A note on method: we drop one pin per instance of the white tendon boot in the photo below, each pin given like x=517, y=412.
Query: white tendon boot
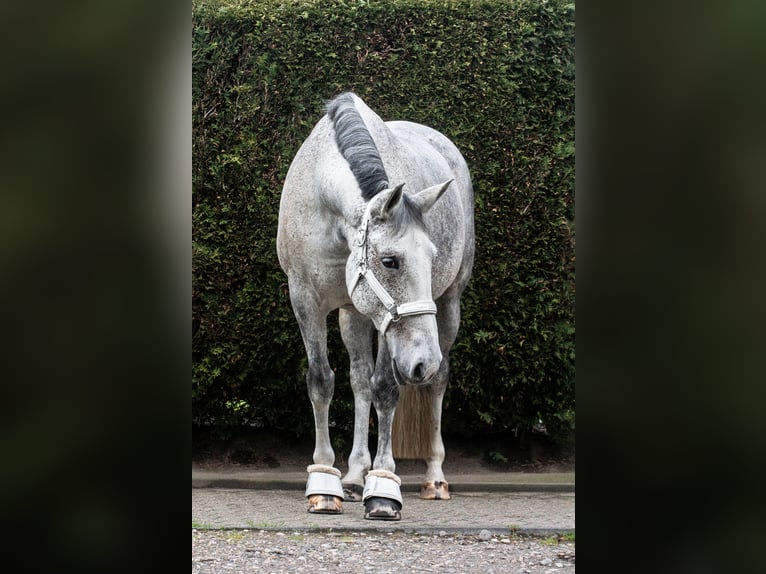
x=324, y=490
x=382, y=496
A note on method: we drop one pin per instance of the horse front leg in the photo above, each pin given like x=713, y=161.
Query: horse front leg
x=356, y=331
x=323, y=488
x=382, y=495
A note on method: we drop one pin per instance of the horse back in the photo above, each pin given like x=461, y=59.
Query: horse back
x=451, y=221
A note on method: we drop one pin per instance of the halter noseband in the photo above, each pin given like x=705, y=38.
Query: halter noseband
x=394, y=311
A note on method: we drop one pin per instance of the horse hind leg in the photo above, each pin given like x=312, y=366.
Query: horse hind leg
x=356, y=331
x=435, y=485
x=417, y=433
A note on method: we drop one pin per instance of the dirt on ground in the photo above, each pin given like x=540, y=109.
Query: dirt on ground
x=256, y=449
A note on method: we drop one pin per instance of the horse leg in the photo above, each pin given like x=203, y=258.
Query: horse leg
x=356, y=331
x=435, y=486
x=382, y=496
x=323, y=488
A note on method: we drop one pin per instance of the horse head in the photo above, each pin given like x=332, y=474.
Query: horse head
x=388, y=276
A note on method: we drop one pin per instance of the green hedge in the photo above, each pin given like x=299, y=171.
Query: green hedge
x=495, y=76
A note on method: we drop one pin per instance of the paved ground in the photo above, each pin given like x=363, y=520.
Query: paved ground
x=528, y=503
x=252, y=519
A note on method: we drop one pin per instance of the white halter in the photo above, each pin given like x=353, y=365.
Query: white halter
x=394, y=311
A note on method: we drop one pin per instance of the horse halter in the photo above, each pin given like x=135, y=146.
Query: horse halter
x=394, y=310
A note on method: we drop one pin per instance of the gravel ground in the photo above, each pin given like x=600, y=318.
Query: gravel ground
x=272, y=552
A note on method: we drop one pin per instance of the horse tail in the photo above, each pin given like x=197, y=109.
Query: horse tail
x=413, y=424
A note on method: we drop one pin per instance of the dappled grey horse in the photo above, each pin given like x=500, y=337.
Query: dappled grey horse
x=351, y=238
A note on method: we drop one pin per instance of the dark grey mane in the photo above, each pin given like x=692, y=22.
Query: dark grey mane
x=357, y=146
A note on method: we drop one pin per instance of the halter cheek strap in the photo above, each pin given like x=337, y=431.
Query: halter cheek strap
x=394, y=311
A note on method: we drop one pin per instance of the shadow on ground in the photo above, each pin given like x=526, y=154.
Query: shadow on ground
x=257, y=449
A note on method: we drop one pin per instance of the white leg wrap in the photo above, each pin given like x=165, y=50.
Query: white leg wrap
x=384, y=484
x=324, y=480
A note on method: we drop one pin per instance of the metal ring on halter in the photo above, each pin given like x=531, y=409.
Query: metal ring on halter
x=405, y=309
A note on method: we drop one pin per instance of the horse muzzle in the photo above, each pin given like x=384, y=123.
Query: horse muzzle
x=419, y=375
x=414, y=363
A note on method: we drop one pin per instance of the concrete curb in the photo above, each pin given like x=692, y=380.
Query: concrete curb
x=510, y=482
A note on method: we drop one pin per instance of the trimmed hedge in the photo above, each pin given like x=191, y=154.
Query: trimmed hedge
x=497, y=77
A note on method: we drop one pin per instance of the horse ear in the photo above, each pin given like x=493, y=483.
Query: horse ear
x=426, y=198
x=393, y=199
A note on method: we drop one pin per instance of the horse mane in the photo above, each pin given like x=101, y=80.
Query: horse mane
x=357, y=146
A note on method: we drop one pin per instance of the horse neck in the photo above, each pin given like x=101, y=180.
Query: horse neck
x=343, y=207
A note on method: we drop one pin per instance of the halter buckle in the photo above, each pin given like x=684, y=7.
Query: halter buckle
x=361, y=236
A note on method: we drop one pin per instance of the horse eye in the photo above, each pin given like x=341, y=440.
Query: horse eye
x=390, y=262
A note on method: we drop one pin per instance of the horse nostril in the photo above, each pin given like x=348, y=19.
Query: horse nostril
x=419, y=372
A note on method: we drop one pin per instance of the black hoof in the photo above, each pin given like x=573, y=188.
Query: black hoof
x=378, y=508
x=353, y=492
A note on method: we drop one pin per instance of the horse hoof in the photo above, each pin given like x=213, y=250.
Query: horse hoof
x=353, y=492
x=435, y=490
x=378, y=508
x=325, y=504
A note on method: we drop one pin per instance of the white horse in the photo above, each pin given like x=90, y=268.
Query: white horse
x=350, y=238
